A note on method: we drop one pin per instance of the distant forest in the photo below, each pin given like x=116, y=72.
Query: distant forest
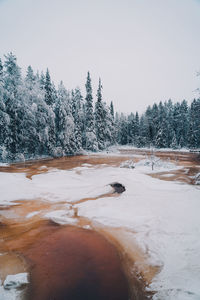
x=37, y=119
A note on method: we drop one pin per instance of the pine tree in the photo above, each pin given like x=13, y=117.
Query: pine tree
x=155, y=118
x=12, y=84
x=78, y=115
x=150, y=126
x=42, y=81
x=162, y=136
x=65, y=140
x=174, y=144
x=109, y=126
x=49, y=99
x=143, y=132
x=100, y=119
x=122, y=129
x=111, y=120
x=192, y=136
x=184, y=123
x=137, y=127
x=90, y=135
x=4, y=130
x=30, y=77
x=170, y=123
x=112, y=109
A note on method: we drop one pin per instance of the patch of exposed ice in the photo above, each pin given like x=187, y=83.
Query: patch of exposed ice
x=167, y=175
x=32, y=214
x=87, y=227
x=43, y=168
x=86, y=165
x=3, y=164
x=9, y=290
x=15, y=281
x=62, y=217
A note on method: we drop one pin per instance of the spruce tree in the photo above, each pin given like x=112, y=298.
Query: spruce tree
x=112, y=109
x=100, y=119
x=12, y=99
x=48, y=89
x=174, y=144
x=65, y=136
x=90, y=135
x=78, y=115
x=42, y=81
x=111, y=120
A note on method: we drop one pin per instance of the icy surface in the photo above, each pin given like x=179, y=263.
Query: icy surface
x=164, y=215
x=9, y=290
x=3, y=164
x=15, y=281
x=58, y=185
x=155, y=164
x=32, y=214
x=62, y=217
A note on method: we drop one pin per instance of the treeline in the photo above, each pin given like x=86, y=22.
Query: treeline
x=37, y=119
x=166, y=125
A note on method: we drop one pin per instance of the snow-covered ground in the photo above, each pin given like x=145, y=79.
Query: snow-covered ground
x=164, y=215
x=10, y=288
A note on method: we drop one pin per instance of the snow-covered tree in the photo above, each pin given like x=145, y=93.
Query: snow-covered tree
x=30, y=78
x=49, y=97
x=65, y=140
x=78, y=115
x=12, y=86
x=174, y=144
x=100, y=119
x=90, y=135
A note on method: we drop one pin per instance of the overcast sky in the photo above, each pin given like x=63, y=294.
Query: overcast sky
x=143, y=50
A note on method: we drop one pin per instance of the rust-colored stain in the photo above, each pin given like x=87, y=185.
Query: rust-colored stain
x=31, y=168
x=73, y=263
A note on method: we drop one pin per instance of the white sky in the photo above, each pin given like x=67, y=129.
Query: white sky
x=143, y=50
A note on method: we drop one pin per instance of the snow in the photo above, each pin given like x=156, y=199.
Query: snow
x=164, y=215
x=130, y=147
x=128, y=164
x=15, y=281
x=158, y=165
x=167, y=175
x=42, y=167
x=62, y=217
x=58, y=185
x=9, y=289
x=32, y=214
x=4, y=164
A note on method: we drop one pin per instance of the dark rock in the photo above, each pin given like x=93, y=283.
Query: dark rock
x=118, y=187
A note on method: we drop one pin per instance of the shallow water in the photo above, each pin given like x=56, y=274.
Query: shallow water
x=73, y=263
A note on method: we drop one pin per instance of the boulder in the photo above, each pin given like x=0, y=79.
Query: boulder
x=118, y=187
